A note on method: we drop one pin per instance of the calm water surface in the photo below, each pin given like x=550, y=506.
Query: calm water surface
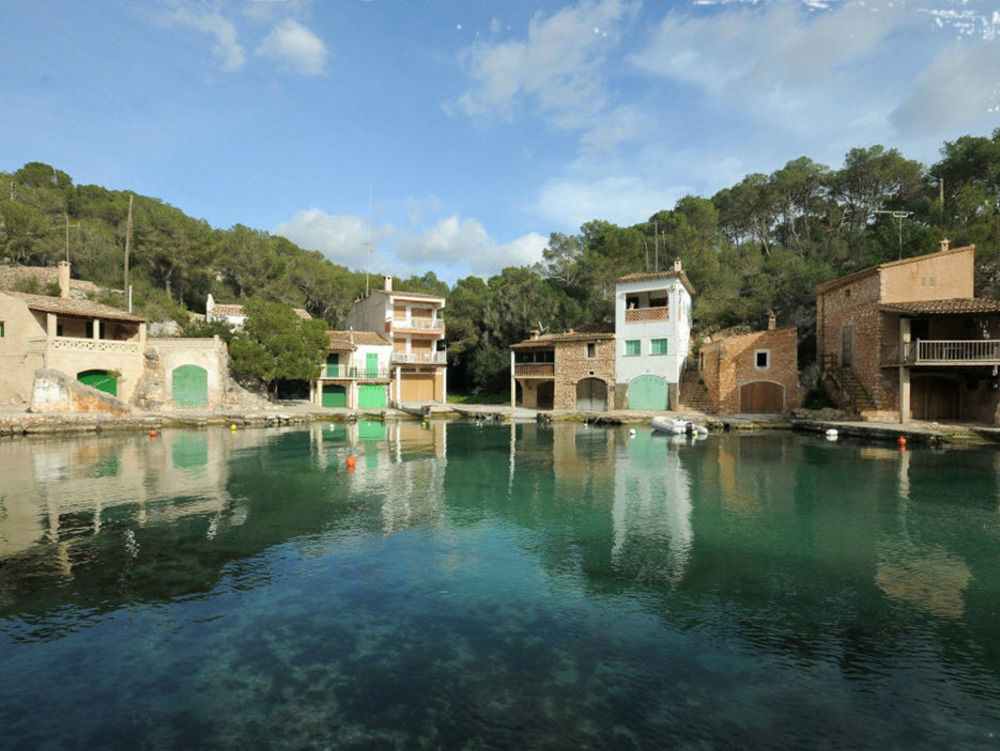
x=496, y=587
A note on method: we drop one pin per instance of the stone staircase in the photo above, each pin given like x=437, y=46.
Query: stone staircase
x=693, y=394
x=849, y=391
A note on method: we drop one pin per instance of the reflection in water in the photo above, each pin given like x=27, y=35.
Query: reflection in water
x=485, y=586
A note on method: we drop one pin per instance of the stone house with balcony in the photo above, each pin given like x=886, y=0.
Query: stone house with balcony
x=356, y=374
x=653, y=327
x=97, y=344
x=412, y=322
x=756, y=372
x=574, y=370
x=909, y=340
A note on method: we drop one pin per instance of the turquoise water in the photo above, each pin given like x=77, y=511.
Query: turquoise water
x=496, y=587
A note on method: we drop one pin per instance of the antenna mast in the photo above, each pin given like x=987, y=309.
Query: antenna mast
x=369, y=246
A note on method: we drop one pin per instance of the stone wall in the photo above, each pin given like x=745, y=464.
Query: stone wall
x=573, y=365
x=54, y=391
x=855, y=304
x=731, y=363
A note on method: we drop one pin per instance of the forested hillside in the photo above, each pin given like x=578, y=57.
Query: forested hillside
x=761, y=244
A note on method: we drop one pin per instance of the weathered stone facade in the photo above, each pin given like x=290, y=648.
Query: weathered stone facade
x=735, y=368
x=575, y=357
x=573, y=364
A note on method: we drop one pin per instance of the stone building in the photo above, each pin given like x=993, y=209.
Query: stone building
x=574, y=370
x=97, y=344
x=909, y=339
x=756, y=372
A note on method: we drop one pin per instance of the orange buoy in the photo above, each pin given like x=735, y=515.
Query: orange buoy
x=152, y=432
x=901, y=443
x=350, y=462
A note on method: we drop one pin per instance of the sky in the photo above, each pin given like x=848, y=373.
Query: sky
x=456, y=135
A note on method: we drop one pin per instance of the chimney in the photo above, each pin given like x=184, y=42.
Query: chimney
x=534, y=333
x=63, y=276
x=388, y=283
x=677, y=264
x=944, y=244
x=772, y=320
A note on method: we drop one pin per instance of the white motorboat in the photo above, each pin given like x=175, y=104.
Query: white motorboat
x=677, y=426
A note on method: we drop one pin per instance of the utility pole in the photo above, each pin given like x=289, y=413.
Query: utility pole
x=656, y=246
x=900, y=215
x=128, y=243
x=369, y=246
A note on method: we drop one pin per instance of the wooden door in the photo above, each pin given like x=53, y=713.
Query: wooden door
x=762, y=397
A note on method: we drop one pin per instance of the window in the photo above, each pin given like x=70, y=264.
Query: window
x=591, y=350
x=1, y=329
x=762, y=359
x=631, y=302
x=657, y=347
x=59, y=329
x=632, y=348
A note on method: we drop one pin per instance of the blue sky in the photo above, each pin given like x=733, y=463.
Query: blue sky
x=479, y=127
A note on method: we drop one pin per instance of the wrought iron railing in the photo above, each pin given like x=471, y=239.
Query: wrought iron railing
x=350, y=371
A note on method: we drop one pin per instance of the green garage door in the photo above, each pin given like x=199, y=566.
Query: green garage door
x=102, y=380
x=648, y=392
x=190, y=386
x=371, y=396
x=334, y=396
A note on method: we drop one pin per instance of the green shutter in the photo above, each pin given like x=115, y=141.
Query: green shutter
x=371, y=396
x=632, y=348
x=371, y=365
x=100, y=380
x=189, y=386
x=333, y=365
x=658, y=347
x=648, y=392
x=334, y=396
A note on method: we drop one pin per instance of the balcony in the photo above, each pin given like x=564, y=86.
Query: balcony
x=534, y=370
x=419, y=358
x=352, y=372
x=82, y=344
x=419, y=324
x=943, y=352
x=644, y=315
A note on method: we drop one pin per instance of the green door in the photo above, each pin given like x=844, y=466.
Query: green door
x=371, y=396
x=333, y=365
x=334, y=396
x=648, y=392
x=102, y=380
x=371, y=365
x=190, y=386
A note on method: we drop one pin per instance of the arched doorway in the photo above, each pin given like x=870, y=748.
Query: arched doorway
x=102, y=380
x=592, y=395
x=648, y=392
x=762, y=397
x=189, y=386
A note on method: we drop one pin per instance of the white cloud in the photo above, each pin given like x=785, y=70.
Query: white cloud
x=341, y=238
x=960, y=90
x=226, y=47
x=451, y=248
x=296, y=46
x=571, y=201
x=557, y=68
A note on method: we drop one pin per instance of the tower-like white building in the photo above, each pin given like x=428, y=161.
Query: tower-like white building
x=652, y=331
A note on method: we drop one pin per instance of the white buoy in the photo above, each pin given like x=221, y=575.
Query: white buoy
x=831, y=434
x=631, y=433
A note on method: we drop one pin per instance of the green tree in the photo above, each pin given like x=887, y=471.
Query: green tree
x=276, y=344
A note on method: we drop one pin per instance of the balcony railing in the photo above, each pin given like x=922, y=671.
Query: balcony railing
x=642, y=315
x=350, y=371
x=419, y=324
x=534, y=370
x=431, y=358
x=944, y=352
x=82, y=344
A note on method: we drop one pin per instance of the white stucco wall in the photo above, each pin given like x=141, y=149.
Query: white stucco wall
x=676, y=330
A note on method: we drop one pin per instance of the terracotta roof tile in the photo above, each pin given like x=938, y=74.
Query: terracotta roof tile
x=955, y=306
x=589, y=333
x=71, y=307
x=643, y=276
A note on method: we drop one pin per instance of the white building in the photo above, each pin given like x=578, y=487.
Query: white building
x=235, y=315
x=356, y=373
x=652, y=328
x=412, y=322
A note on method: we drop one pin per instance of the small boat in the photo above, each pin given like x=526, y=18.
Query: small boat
x=677, y=426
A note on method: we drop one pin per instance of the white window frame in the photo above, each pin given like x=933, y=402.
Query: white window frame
x=767, y=359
